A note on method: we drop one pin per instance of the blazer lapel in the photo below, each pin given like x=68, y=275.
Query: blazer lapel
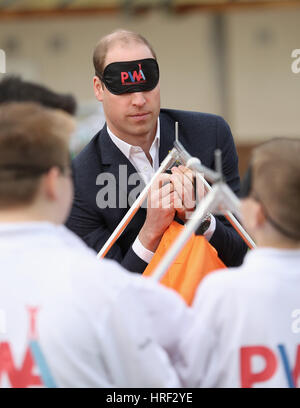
x=116, y=163
x=167, y=136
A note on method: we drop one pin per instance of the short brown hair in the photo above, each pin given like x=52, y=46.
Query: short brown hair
x=276, y=181
x=15, y=89
x=120, y=35
x=33, y=139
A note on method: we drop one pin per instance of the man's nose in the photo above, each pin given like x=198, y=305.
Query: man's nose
x=138, y=99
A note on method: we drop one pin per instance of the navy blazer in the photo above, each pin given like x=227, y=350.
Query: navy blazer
x=200, y=134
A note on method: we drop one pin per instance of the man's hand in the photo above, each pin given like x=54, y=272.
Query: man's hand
x=184, y=182
x=161, y=204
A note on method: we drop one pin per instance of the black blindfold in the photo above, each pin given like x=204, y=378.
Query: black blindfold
x=131, y=76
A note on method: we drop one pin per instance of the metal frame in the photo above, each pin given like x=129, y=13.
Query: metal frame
x=178, y=153
x=217, y=199
x=214, y=176
x=166, y=163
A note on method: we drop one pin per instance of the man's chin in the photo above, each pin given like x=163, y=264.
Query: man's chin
x=142, y=128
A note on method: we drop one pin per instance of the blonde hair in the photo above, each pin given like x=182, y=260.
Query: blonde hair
x=276, y=182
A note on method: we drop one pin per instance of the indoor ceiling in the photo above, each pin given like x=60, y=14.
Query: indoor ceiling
x=31, y=7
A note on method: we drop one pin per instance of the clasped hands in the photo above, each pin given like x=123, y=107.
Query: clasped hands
x=170, y=195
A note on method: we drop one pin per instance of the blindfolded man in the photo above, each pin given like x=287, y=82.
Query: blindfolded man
x=137, y=136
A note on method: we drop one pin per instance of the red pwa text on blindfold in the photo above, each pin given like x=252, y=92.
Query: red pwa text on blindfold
x=135, y=76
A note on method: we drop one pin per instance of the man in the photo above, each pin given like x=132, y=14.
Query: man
x=66, y=318
x=137, y=136
x=248, y=318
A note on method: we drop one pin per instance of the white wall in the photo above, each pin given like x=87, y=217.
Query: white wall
x=264, y=92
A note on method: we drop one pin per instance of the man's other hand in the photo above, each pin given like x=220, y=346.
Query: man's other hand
x=162, y=202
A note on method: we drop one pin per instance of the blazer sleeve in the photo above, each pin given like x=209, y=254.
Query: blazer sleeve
x=90, y=226
x=230, y=246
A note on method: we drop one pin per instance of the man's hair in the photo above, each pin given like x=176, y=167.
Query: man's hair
x=118, y=36
x=276, y=182
x=14, y=89
x=33, y=139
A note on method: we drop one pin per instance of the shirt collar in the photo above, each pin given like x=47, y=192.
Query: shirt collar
x=127, y=148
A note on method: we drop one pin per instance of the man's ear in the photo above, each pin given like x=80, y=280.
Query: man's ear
x=98, y=88
x=51, y=184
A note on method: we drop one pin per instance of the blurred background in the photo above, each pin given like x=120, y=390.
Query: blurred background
x=232, y=58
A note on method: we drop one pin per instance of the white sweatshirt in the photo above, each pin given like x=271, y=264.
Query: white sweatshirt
x=247, y=331
x=70, y=320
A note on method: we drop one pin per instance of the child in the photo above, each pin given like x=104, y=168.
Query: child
x=247, y=332
x=66, y=318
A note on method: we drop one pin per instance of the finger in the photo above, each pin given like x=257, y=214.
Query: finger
x=160, y=181
x=167, y=202
x=187, y=172
x=185, y=190
x=177, y=202
x=200, y=187
x=166, y=189
x=156, y=196
x=189, y=183
x=177, y=181
x=187, y=175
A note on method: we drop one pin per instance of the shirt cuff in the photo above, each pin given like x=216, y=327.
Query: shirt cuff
x=211, y=229
x=141, y=251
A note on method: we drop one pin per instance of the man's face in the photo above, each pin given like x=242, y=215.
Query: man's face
x=129, y=116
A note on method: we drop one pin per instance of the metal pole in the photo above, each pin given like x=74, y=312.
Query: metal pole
x=177, y=153
x=233, y=221
x=200, y=212
x=195, y=164
x=218, y=192
x=172, y=156
x=176, y=131
x=239, y=229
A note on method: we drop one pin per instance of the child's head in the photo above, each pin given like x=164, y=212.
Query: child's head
x=34, y=159
x=271, y=208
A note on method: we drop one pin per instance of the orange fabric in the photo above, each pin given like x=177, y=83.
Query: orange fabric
x=196, y=259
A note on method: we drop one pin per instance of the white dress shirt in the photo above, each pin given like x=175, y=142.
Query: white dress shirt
x=139, y=160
